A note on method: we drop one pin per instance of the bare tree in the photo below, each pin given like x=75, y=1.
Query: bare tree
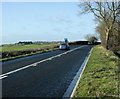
x=107, y=12
x=91, y=38
x=100, y=29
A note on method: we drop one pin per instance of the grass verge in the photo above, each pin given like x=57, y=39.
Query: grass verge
x=101, y=75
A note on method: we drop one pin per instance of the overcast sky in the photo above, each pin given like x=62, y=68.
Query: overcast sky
x=44, y=21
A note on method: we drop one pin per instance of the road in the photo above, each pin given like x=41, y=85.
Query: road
x=42, y=75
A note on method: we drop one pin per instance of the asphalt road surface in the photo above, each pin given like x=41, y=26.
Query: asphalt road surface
x=42, y=75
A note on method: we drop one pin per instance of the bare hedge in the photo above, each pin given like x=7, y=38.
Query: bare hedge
x=8, y=54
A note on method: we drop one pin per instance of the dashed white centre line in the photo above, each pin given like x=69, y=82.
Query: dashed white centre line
x=1, y=77
x=35, y=64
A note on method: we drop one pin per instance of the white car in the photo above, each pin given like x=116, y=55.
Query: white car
x=64, y=46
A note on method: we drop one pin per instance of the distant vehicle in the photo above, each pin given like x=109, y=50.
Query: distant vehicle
x=64, y=46
x=89, y=43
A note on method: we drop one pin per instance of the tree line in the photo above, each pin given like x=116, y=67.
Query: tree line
x=107, y=14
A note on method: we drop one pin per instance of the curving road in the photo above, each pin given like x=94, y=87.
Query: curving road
x=42, y=75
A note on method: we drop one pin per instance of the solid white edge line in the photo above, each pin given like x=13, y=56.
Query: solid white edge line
x=35, y=64
x=73, y=85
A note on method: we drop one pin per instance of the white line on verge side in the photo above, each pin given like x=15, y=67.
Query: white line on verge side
x=35, y=64
x=73, y=85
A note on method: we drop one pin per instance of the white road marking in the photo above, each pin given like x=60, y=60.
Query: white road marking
x=1, y=77
x=35, y=64
x=59, y=55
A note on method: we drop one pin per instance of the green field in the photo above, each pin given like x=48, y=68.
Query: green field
x=22, y=47
x=101, y=76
